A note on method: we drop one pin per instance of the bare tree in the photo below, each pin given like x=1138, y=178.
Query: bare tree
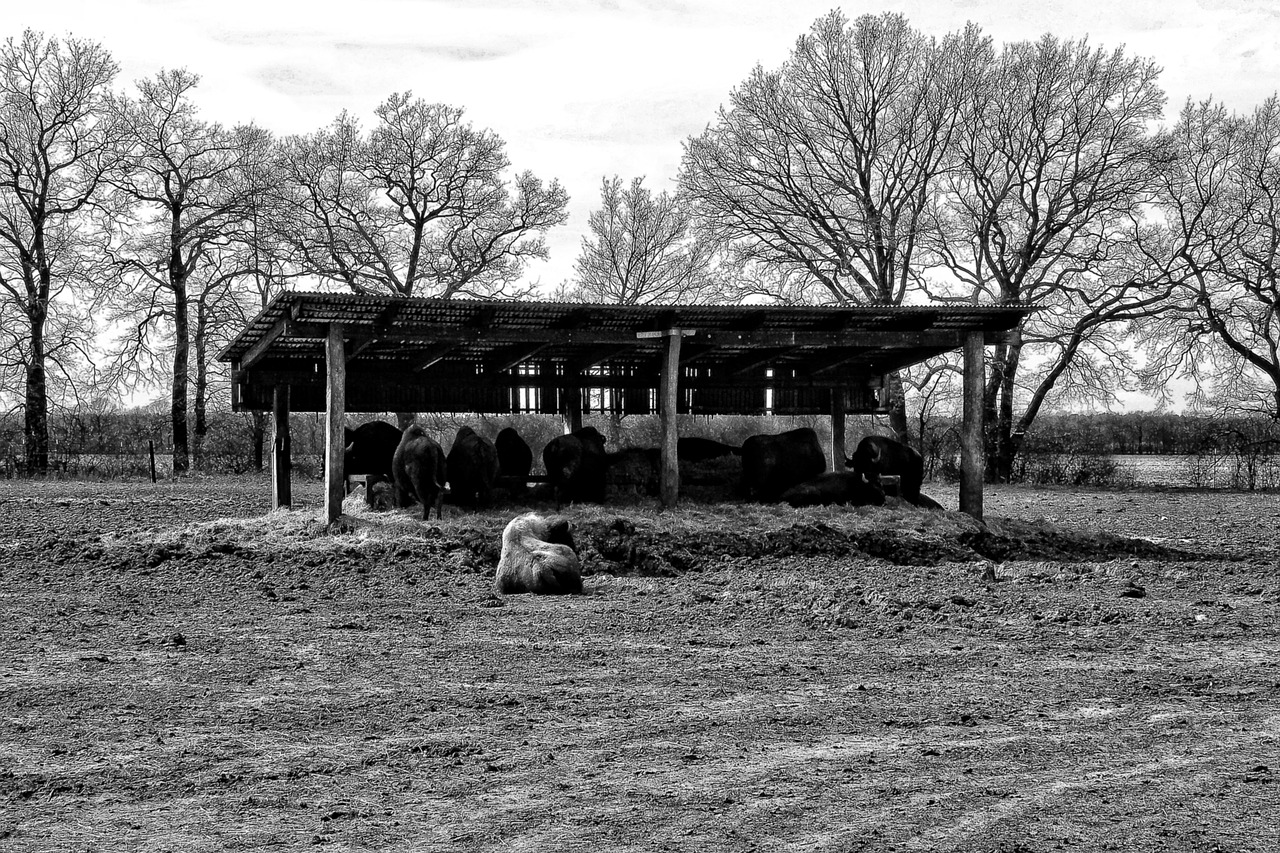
x=1220, y=246
x=1050, y=166
x=57, y=137
x=641, y=252
x=825, y=166
x=181, y=196
x=421, y=206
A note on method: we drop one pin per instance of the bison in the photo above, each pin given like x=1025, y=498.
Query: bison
x=576, y=464
x=418, y=468
x=877, y=456
x=835, y=487
x=695, y=449
x=538, y=556
x=771, y=464
x=369, y=449
x=515, y=459
x=473, y=466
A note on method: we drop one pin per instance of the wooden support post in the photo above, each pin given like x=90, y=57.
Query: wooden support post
x=837, y=429
x=281, y=457
x=669, y=479
x=335, y=411
x=573, y=406
x=972, y=454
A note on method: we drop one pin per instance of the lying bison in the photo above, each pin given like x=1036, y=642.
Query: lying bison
x=576, y=465
x=515, y=459
x=771, y=464
x=369, y=449
x=877, y=456
x=538, y=555
x=473, y=467
x=836, y=487
x=418, y=467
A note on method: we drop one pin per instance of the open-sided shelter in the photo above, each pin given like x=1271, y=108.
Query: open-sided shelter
x=337, y=353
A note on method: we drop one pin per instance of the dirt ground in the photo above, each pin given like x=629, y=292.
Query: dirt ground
x=180, y=670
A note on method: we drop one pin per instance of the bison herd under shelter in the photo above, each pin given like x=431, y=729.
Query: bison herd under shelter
x=339, y=353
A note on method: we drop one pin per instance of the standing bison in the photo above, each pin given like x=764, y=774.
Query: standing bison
x=576, y=464
x=538, y=555
x=771, y=464
x=369, y=449
x=877, y=456
x=515, y=459
x=836, y=487
x=473, y=467
x=418, y=467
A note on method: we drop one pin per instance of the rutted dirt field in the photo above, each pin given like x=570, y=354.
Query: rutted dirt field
x=181, y=671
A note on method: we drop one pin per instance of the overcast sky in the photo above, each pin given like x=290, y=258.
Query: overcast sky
x=580, y=90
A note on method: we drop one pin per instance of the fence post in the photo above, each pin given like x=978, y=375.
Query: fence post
x=151, y=446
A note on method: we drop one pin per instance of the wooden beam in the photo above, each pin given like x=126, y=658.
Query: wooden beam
x=451, y=373
x=972, y=456
x=359, y=344
x=599, y=355
x=669, y=395
x=433, y=355
x=438, y=332
x=693, y=353
x=748, y=363
x=335, y=411
x=281, y=455
x=836, y=361
x=264, y=343
x=509, y=357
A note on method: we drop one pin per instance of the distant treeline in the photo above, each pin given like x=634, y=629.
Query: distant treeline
x=1147, y=433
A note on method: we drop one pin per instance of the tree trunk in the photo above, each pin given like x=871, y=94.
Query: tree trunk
x=898, y=408
x=991, y=408
x=36, y=421
x=202, y=384
x=181, y=364
x=1006, y=448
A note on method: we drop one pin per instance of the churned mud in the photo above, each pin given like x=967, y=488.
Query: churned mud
x=180, y=669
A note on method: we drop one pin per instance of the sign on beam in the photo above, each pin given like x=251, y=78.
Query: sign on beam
x=667, y=333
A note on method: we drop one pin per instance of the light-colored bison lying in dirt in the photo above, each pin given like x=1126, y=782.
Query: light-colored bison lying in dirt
x=538, y=555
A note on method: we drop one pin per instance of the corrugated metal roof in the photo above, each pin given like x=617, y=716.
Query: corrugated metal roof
x=384, y=315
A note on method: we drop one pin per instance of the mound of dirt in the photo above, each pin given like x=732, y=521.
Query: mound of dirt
x=621, y=546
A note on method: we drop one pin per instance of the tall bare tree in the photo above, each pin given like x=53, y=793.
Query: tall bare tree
x=1220, y=246
x=825, y=166
x=182, y=196
x=641, y=251
x=1049, y=168
x=420, y=206
x=57, y=138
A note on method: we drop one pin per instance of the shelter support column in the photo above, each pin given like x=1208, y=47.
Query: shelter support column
x=335, y=413
x=669, y=479
x=281, y=456
x=972, y=452
x=573, y=407
x=837, y=429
